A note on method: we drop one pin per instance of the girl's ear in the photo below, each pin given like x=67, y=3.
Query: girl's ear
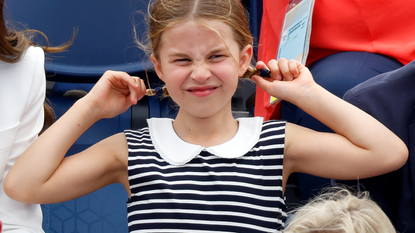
x=245, y=59
x=157, y=67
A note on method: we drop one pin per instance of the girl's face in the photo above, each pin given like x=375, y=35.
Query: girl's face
x=201, y=68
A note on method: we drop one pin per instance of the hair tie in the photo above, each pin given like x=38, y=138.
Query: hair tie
x=158, y=91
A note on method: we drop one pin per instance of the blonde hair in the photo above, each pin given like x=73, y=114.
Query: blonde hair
x=164, y=14
x=340, y=211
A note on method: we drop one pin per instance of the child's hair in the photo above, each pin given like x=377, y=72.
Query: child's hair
x=340, y=211
x=13, y=44
x=164, y=14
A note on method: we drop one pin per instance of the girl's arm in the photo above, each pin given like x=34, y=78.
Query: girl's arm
x=361, y=147
x=43, y=175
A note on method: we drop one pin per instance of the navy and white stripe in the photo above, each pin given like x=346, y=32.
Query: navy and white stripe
x=209, y=193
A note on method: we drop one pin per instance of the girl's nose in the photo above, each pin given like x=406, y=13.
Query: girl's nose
x=201, y=73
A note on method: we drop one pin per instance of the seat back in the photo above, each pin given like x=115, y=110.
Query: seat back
x=104, y=39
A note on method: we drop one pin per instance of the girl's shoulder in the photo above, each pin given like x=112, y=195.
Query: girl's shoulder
x=135, y=134
x=272, y=132
x=273, y=124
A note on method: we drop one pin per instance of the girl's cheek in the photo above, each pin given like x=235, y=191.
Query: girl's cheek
x=225, y=70
x=178, y=72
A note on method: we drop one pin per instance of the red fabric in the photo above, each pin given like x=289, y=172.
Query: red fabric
x=378, y=26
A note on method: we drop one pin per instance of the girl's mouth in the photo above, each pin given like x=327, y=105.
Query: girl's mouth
x=202, y=91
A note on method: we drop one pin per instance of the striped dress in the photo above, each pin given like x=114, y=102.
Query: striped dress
x=208, y=191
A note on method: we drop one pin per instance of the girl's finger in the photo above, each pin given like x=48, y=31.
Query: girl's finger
x=143, y=88
x=262, y=83
x=134, y=87
x=284, y=69
x=125, y=77
x=275, y=70
x=132, y=81
x=140, y=91
x=293, y=67
x=261, y=65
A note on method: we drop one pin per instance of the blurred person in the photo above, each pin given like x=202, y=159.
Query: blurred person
x=351, y=42
x=390, y=98
x=24, y=114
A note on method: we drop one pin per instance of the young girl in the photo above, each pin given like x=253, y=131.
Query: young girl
x=203, y=171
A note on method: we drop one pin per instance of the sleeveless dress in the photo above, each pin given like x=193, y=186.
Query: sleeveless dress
x=181, y=187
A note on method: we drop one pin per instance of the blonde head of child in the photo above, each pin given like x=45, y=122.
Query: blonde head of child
x=340, y=211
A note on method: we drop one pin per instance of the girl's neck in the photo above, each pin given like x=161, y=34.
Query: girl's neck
x=207, y=132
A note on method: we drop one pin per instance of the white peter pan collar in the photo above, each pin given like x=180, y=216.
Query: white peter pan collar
x=178, y=152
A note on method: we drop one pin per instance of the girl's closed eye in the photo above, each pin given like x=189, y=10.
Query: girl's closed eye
x=217, y=57
x=182, y=61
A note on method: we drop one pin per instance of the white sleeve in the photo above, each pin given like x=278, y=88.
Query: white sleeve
x=22, y=93
x=22, y=97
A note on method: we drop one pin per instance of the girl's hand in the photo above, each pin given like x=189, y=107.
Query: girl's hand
x=114, y=93
x=288, y=79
